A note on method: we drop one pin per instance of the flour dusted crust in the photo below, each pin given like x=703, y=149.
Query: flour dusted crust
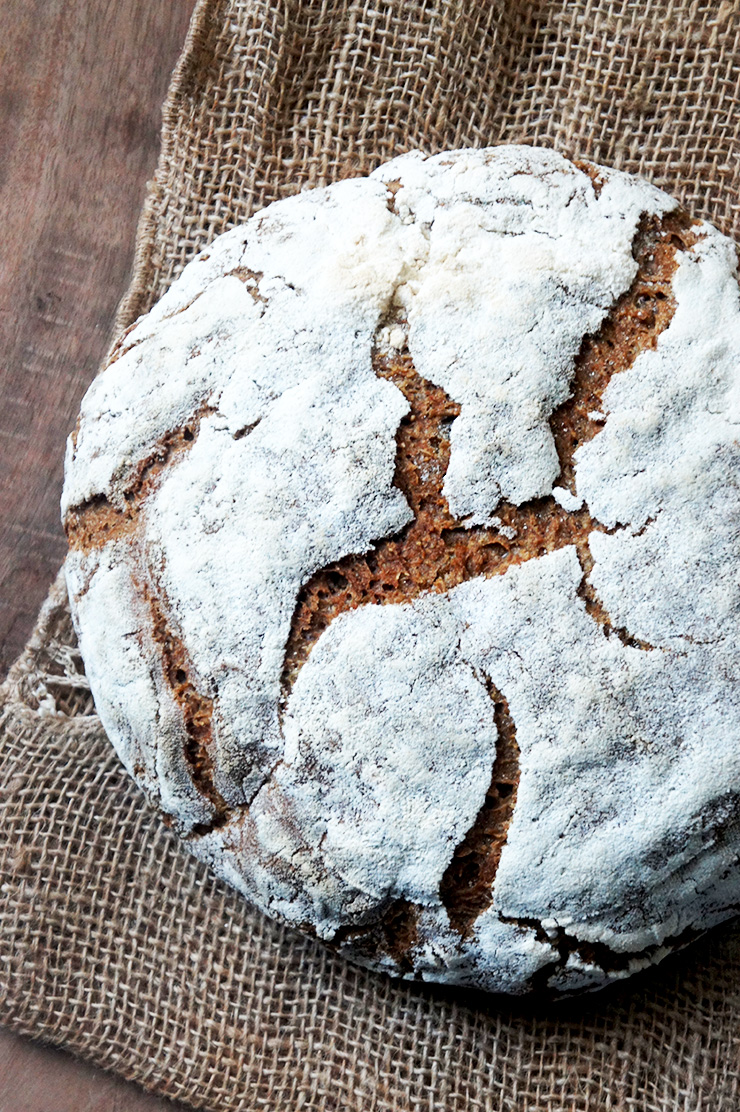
x=404, y=562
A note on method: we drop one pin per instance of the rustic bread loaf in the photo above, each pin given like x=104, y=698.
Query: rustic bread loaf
x=404, y=562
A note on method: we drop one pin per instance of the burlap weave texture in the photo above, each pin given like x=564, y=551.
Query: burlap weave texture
x=114, y=942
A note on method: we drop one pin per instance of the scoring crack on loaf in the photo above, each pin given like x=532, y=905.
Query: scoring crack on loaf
x=403, y=539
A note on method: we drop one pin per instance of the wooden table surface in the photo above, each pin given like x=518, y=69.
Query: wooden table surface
x=81, y=87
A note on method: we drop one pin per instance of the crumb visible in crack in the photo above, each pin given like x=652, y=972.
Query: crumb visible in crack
x=197, y=708
x=251, y=279
x=595, y=608
x=392, y=187
x=633, y=325
x=241, y=433
x=467, y=885
x=393, y=933
x=97, y=521
x=596, y=954
x=598, y=181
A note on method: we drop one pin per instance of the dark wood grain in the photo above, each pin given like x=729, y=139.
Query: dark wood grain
x=81, y=87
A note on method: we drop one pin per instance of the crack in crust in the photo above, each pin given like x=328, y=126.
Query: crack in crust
x=594, y=607
x=394, y=933
x=392, y=187
x=596, y=954
x=94, y=524
x=593, y=172
x=467, y=885
x=97, y=521
x=251, y=279
x=197, y=709
x=633, y=325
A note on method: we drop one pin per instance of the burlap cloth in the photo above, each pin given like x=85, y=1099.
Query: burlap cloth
x=114, y=942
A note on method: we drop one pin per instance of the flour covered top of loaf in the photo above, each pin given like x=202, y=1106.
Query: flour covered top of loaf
x=248, y=436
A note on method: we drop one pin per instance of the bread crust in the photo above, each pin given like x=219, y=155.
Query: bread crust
x=394, y=681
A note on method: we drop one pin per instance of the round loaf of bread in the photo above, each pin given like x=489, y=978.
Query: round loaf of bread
x=404, y=563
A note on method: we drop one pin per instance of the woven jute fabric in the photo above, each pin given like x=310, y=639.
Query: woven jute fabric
x=114, y=942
